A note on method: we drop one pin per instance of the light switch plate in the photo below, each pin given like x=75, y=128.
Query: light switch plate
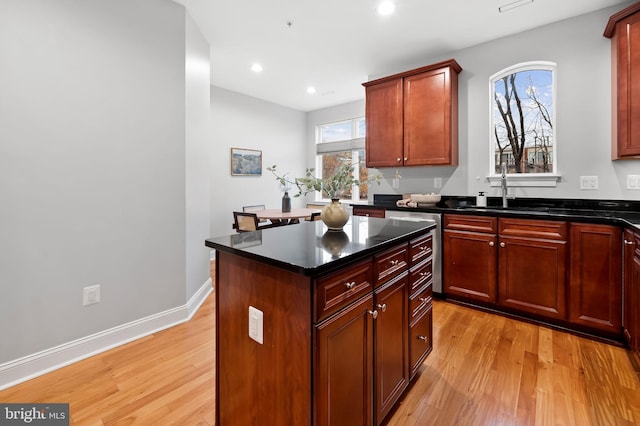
x=633, y=181
x=256, y=325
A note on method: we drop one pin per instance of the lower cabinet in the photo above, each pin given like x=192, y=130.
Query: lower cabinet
x=631, y=321
x=595, y=290
x=532, y=259
x=391, y=345
x=344, y=362
x=567, y=272
x=470, y=257
x=364, y=359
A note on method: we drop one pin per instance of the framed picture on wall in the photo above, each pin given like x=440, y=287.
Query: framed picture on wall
x=246, y=162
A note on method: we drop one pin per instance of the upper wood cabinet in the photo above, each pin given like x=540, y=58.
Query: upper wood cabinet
x=412, y=117
x=623, y=29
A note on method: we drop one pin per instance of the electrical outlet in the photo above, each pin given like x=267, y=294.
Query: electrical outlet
x=437, y=182
x=256, y=325
x=633, y=181
x=91, y=295
x=588, y=182
x=395, y=183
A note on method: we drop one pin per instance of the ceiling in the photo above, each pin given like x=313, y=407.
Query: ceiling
x=335, y=45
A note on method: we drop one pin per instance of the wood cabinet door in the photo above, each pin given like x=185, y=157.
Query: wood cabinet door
x=628, y=287
x=343, y=365
x=391, y=345
x=532, y=276
x=469, y=265
x=595, y=277
x=628, y=90
x=384, y=124
x=430, y=121
x=635, y=307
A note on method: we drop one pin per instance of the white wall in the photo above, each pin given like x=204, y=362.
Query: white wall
x=197, y=157
x=583, y=115
x=94, y=168
x=241, y=121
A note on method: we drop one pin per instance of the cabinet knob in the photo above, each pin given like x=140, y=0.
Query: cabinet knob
x=383, y=307
x=502, y=244
x=423, y=338
x=491, y=244
x=398, y=159
x=350, y=285
x=405, y=158
x=374, y=314
x=629, y=243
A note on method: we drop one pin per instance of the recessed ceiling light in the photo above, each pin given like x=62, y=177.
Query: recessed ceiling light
x=386, y=8
x=311, y=90
x=256, y=68
x=513, y=5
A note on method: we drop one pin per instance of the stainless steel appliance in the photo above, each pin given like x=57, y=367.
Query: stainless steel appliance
x=436, y=235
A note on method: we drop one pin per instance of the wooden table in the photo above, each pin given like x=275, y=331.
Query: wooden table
x=277, y=216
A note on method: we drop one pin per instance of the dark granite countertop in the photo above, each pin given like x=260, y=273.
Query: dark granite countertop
x=620, y=212
x=310, y=249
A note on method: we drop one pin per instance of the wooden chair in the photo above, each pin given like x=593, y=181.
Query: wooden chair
x=314, y=216
x=253, y=209
x=245, y=221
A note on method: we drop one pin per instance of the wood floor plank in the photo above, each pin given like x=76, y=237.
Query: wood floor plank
x=485, y=369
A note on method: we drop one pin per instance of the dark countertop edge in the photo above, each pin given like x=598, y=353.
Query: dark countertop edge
x=611, y=216
x=330, y=266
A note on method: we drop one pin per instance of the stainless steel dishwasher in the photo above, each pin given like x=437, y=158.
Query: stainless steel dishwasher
x=436, y=235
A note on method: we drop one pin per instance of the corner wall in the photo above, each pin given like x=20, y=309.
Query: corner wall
x=96, y=168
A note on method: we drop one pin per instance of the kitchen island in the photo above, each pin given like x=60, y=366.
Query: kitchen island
x=318, y=327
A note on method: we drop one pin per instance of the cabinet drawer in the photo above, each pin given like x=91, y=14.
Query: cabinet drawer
x=368, y=212
x=420, y=343
x=420, y=275
x=420, y=248
x=420, y=302
x=543, y=229
x=460, y=222
x=390, y=263
x=337, y=290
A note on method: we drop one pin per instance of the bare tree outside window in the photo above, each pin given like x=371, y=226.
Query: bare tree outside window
x=523, y=119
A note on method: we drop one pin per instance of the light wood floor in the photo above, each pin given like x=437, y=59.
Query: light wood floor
x=484, y=370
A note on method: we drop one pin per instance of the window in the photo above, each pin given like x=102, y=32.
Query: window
x=339, y=142
x=523, y=124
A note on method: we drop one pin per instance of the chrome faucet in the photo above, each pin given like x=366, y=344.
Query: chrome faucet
x=503, y=184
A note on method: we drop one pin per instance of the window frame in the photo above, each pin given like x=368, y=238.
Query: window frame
x=548, y=179
x=354, y=145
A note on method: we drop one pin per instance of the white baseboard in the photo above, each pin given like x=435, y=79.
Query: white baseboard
x=34, y=365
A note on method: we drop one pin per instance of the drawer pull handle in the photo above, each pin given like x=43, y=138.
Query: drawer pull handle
x=423, y=248
x=394, y=262
x=629, y=243
x=424, y=299
x=423, y=338
x=502, y=244
x=383, y=307
x=491, y=244
x=351, y=285
x=374, y=314
x=423, y=274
